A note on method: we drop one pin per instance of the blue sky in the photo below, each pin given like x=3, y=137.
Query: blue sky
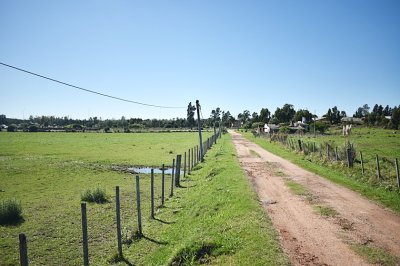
x=235, y=55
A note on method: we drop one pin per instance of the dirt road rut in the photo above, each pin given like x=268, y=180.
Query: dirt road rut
x=308, y=237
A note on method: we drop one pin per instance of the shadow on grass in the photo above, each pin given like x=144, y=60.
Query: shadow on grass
x=116, y=259
x=180, y=186
x=162, y=221
x=12, y=223
x=155, y=241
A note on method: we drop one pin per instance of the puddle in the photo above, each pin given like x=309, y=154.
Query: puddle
x=147, y=170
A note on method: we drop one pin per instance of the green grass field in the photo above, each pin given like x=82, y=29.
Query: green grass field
x=214, y=219
x=370, y=141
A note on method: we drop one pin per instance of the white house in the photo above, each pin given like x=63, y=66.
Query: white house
x=270, y=128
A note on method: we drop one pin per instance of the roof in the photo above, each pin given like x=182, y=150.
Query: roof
x=271, y=126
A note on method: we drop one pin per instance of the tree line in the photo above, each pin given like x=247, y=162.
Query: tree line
x=388, y=117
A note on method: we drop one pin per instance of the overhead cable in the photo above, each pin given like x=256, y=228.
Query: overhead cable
x=87, y=90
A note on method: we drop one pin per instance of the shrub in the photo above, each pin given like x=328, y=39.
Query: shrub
x=12, y=128
x=33, y=128
x=98, y=195
x=10, y=212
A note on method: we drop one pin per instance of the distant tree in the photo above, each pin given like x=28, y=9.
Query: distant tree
x=395, y=119
x=227, y=119
x=254, y=117
x=334, y=116
x=3, y=119
x=303, y=113
x=244, y=117
x=190, y=115
x=265, y=115
x=285, y=114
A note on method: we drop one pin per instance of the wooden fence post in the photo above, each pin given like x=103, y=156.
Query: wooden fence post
x=172, y=178
x=397, y=172
x=327, y=151
x=23, y=250
x=85, y=235
x=336, y=154
x=152, y=192
x=349, y=159
x=299, y=141
x=162, y=185
x=118, y=214
x=178, y=170
x=189, y=162
x=138, y=206
x=378, y=168
x=184, y=166
x=192, y=149
x=362, y=163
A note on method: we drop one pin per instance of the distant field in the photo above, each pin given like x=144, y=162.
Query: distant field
x=150, y=149
x=216, y=211
x=370, y=141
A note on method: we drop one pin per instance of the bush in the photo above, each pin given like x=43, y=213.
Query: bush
x=33, y=128
x=98, y=195
x=10, y=212
x=12, y=128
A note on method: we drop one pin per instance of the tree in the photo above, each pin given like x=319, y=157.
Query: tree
x=265, y=115
x=334, y=116
x=254, y=117
x=190, y=115
x=3, y=119
x=286, y=114
x=227, y=119
x=303, y=113
x=395, y=120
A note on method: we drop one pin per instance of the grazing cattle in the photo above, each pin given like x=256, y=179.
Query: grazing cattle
x=346, y=130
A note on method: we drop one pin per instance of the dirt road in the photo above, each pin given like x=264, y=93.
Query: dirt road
x=307, y=236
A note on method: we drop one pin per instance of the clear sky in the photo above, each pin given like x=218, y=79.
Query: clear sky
x=235, y=55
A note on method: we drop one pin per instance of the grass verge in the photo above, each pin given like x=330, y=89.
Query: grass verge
x=375, y=255
x=390, y=199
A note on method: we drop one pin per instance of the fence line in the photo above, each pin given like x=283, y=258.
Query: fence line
x=175, y=181
x=343, y=154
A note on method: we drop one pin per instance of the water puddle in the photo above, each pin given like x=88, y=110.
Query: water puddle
x=147, y=170
x=144, y=170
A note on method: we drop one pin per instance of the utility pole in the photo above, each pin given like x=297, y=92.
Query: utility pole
x=199, y=125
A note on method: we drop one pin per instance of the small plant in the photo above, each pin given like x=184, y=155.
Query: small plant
x=296, y=188
x=98, y=195
x=10, y=212
x=325, y=211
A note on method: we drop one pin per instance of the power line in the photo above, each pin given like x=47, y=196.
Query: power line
x=91, y=91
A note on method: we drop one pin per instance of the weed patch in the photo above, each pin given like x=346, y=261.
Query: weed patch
x=196, y=253
x=10, y=212
x=325, y=211
x=96, y=195
x=296, y=188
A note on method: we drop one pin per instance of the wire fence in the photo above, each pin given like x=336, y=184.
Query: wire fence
x=181, y=168
x=378, y=170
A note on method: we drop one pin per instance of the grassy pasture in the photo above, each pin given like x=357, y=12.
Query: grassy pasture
x=215, y=218
x=149, y=149
x=370, y=141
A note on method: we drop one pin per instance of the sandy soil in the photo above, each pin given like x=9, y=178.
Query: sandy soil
x=306, y=236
